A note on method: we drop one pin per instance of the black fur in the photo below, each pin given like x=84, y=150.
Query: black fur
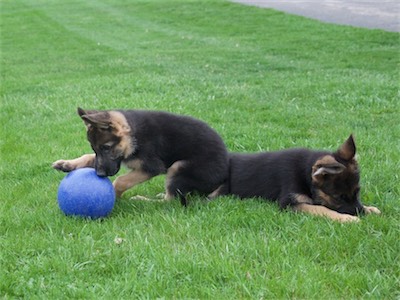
x=272, y=175
x=285, y=175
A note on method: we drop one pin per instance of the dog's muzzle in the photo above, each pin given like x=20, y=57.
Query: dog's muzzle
x=105, y=168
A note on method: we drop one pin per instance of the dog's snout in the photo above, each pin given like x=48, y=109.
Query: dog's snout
x=105, y=171
x=351, y=209
x=101, y=173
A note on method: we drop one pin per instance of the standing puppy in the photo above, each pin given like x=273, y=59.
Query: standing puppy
x=317, y=182
x=151, y=143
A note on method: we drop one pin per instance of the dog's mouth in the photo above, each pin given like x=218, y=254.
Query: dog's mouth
x=105, y=173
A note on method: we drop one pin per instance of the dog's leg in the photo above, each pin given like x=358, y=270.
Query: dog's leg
x=320, y=210
x=124, y=182
x=87, y=160
x=371, y=210
x=173, y=170
x=219, y=191
x=182, y=179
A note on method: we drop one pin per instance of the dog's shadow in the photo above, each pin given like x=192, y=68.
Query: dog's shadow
x=138, y=205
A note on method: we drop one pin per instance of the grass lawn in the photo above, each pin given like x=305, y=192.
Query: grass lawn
x=264, y=80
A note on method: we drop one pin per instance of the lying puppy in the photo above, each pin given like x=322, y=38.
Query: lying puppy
x=317, y=182
x=151, y=143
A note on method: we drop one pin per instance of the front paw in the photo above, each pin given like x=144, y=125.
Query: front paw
x=371, y=210
x=63, y=165
x=345, y=218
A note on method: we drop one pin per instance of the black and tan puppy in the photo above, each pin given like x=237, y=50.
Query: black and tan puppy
x=317, y=182
x=151, y=143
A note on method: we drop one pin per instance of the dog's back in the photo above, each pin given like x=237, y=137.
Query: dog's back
x=175, y=137
x=172, y=138
x=270, y=174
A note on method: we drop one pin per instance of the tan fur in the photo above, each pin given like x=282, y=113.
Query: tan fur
x=325, y=160
x=353, y=166
x=122, y=129
x=125, y=182
x=303, y=199
x=86, y=160
x=134, y=164
x=319, y=210
x=346, y=151
x=172, y=170
x=326, y=199
x=371, y=210
x=136, y=176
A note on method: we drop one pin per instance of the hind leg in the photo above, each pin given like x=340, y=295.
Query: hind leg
x=184, y=177
x=220, y=191
x=176, y=184
x=170, y=183
x=179, y=186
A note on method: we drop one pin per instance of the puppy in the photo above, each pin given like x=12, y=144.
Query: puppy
x=150, y=143
x=316, y=182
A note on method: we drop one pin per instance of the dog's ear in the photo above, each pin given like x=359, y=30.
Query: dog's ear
x=325, y=171
x=98, y=119
x=347, y=150
x=331, y=169
x=81, y=112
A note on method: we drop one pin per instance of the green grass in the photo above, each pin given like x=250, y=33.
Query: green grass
x=264, y=80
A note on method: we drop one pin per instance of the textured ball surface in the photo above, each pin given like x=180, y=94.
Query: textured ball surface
x=83, y=193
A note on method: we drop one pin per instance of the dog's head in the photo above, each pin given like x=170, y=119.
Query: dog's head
x=109, y=135
x=335, y=180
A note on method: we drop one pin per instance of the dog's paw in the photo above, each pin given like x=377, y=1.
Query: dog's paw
x=345, y=218
x=141, y=198
x=371, y=210
x=63, y=165
x=162, y=196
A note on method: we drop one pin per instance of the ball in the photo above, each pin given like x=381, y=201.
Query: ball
x=83, y=193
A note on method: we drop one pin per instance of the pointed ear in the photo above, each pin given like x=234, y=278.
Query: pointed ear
x=96, y=119
x=347, y=150
x=81, y=112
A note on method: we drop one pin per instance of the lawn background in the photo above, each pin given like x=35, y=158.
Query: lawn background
x=263, y=79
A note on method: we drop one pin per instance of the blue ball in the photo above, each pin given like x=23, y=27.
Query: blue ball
x=83, y=193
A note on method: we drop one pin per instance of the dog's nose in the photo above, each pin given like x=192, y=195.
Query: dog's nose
x=101, y=173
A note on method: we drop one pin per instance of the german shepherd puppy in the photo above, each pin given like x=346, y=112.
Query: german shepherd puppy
x=150, y=143
x=317, y=182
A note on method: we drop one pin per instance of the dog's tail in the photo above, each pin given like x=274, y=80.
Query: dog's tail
x=182, y=197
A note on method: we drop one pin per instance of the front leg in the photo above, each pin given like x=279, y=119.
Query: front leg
x=320, y=210
x=125, y=182
x=87, y=160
